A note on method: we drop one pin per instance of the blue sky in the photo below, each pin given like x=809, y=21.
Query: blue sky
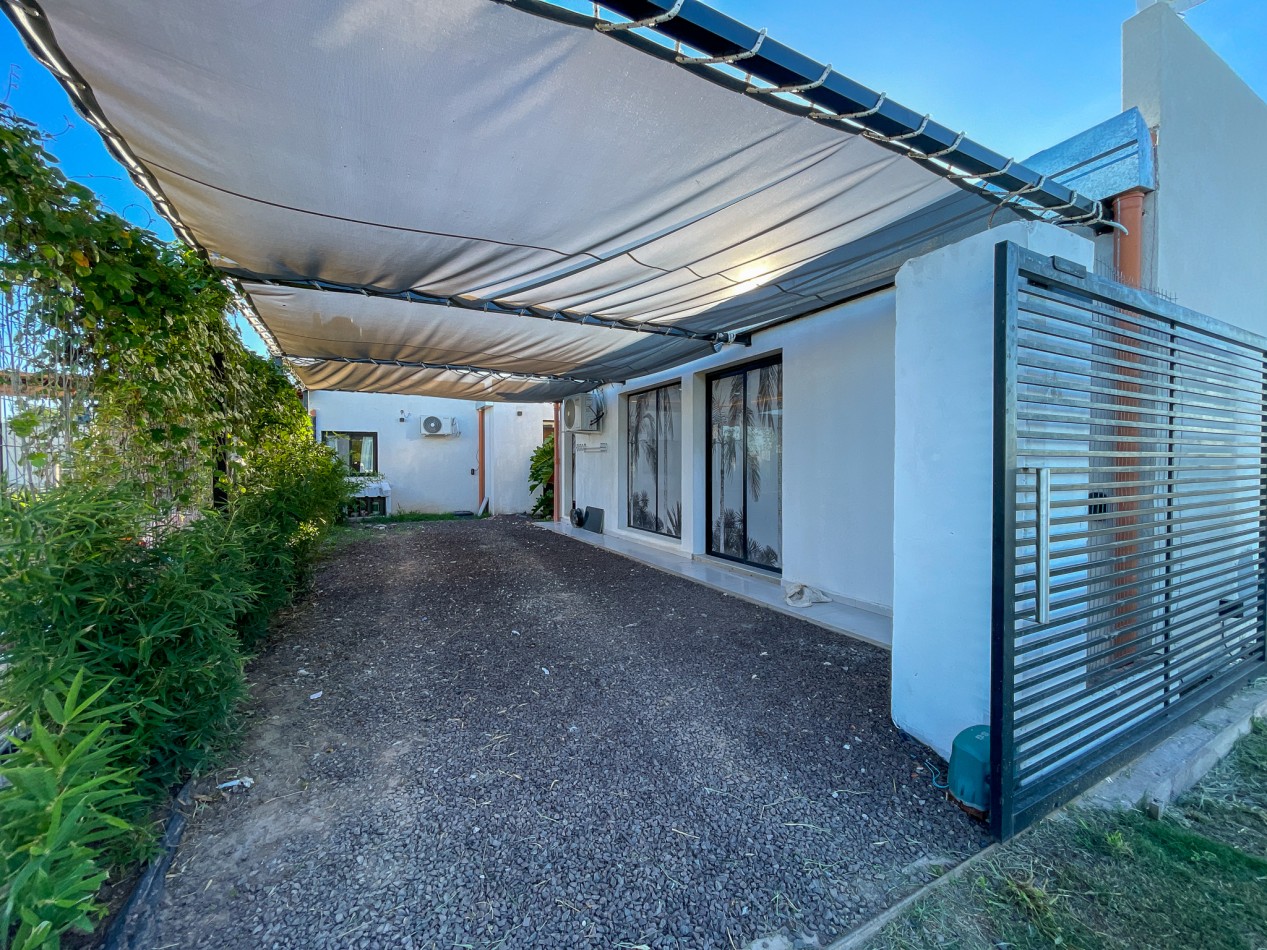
x=1016, y=75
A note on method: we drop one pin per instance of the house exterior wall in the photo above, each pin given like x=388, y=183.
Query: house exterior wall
x=437, y=474
x=514, y=432
x=1203, y=227
x=427, y=473
x=944, y=475
x=837, y=467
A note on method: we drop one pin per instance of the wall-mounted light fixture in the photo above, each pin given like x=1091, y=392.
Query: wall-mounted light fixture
x=403, y=416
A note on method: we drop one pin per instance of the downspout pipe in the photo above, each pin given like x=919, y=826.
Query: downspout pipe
x=558, y=461
x=481, y=458
x=1128, y=245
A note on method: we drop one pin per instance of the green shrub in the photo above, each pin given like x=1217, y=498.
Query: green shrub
x=289, y=491
x=98, y=591
x=82, y=591
x=114, y=581
x=541, y=476
x=60, y=810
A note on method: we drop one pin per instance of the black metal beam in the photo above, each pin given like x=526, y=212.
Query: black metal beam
x=711, y=32
x=491, y=306
x=446, y=367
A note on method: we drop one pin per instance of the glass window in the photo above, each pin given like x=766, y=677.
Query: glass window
x=358, y=449
x=745, y=464
x=654, y=456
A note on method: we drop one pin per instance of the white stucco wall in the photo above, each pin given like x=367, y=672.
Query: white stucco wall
x=514, y=432
x=943, y=479
x=438, y=473
x=1205, y=241
x=837, y=451
x=427, y=473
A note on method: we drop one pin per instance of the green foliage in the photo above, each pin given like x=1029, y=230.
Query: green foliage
x=61, y=808
x=403, y=517
x=135, y=331
x=96, y=586
x=288, y=493
x=122, y=580
x=541, y=476
x=150, y=618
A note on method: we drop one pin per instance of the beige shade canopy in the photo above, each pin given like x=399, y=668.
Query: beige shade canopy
x=407, y=189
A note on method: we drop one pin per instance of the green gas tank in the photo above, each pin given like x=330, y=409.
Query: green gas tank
x=969, y=779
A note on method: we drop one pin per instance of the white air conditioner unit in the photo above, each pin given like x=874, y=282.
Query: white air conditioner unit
x=439, y=425
x=583, y=413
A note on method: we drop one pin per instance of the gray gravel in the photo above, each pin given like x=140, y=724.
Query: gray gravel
x=523, y=741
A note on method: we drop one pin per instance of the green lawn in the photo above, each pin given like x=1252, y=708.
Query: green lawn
x=404, y=517
x=1196, y=878
x=355, y=529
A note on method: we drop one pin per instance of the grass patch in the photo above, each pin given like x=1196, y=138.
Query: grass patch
x=1091, y=879
x=355, y=529
x=404, y=517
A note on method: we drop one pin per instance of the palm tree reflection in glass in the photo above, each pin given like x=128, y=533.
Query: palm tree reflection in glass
x=746, y=423
x=654, y=490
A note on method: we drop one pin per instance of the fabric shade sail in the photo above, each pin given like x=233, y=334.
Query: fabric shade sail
x=392, y=180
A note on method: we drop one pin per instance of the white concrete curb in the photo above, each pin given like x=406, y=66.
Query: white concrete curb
x=1161, y=775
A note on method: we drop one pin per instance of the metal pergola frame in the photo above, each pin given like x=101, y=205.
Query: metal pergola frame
x=491, y=306
x=461, y=368
x=828, y=95
x=735, y=56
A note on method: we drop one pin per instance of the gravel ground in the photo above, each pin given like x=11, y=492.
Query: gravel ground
x=523, y=741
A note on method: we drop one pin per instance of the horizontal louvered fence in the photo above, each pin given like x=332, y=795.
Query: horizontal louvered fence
x=1129, y=525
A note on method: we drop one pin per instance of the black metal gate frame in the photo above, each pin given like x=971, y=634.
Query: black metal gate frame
x=1015, y=265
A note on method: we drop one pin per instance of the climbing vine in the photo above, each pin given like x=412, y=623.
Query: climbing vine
x=161, y=497
x=116, y=352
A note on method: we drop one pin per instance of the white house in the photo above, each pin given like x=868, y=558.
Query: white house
x=433, y=454
x=853, y=450
x=1006, y=416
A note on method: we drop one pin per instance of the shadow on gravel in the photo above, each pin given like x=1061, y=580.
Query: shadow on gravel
x=481, y=734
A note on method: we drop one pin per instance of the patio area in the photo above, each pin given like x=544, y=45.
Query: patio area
x=483, y=734
x=757, y=587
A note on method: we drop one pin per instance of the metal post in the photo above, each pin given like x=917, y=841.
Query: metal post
x=558, y=461
x=1003, y=643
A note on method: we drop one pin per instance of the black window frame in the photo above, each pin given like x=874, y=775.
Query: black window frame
x=350, y=434
x=675, y=384
x=738, y=369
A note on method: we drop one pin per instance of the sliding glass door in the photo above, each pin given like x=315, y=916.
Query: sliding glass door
x=745, y=464
x=654, y=457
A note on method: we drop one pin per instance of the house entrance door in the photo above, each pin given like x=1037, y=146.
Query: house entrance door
x=745, y=464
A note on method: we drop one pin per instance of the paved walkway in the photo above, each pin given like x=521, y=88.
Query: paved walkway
x=480, y=734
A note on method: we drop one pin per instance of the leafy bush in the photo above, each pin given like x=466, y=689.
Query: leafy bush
x=289, y=492
x=60, y=810
x=541, y=476
x=97, y=590
x=149, y=618
x=137, y=563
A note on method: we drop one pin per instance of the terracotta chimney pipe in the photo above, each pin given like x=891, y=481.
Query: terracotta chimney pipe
x=1128, y=260
x=1128, y=248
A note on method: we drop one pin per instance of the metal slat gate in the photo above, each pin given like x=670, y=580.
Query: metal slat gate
x=1129, y=526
